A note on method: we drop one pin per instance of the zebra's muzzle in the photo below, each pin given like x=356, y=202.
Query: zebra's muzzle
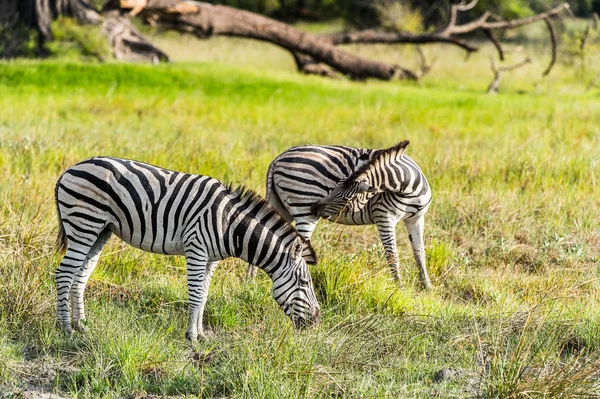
x=301, y=323
x=318, y=209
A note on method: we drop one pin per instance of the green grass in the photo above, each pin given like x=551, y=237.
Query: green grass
x=512, y=237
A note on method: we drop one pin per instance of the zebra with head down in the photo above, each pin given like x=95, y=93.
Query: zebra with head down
x=168, y=212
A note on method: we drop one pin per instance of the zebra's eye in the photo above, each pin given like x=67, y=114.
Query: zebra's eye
x=303, y=282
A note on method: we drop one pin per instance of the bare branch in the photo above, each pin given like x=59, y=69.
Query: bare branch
x=453, y=15
x=593, y=82
x=554, y=40
x=493, y=87
x=515, y=66
x=527, y=20
x=372, y=36
x=466, y=7
x=424, y=67
x=498, y=71
x=495, y=42
x=487, y=22
x=584, y=37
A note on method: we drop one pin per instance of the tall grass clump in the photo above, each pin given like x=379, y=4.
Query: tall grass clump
x=24, y=279
x=531, y=355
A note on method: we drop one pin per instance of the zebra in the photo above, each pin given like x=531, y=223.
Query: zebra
x=168, y=212
x=353, y=186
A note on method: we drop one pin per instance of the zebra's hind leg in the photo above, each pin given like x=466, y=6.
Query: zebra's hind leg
x=81, y=279
x=415, y=227
x=387, y=232
x=70, y=265
x=199, y=272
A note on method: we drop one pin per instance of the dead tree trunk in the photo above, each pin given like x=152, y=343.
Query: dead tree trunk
x=126, y=42
x=205, y=20
x=313, y=54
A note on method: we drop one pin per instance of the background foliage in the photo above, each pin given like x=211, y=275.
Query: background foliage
x=371, y=13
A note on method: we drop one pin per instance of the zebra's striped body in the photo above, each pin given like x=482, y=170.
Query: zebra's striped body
x=353, y=186
x=168, y=212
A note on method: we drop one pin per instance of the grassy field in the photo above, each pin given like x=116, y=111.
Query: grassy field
x=512, y=235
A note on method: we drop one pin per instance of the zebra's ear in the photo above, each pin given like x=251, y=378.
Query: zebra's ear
x=297, y=248
x=363, y=185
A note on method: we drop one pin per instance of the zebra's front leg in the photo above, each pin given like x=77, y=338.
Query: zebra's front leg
x=197, y=272
x=210, y=270
x=415, y=227
x=306, y=225
x=251, y=272
x=387, y=232
x=80, y=281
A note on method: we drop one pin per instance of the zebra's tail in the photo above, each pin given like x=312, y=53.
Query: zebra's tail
x=61, y=237
x=272, y=196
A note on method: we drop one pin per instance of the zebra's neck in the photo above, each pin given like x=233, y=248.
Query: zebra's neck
x=257, y=234
x=264, y=246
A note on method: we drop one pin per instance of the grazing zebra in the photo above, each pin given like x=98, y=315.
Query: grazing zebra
x=353, y=186
x=168, y=212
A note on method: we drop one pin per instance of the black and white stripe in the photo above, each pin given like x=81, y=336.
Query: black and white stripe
x=353, y=186
x=168, y=212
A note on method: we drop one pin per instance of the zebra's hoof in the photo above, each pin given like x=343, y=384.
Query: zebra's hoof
x=80, y=325
x=192, y=338
x=65, y=329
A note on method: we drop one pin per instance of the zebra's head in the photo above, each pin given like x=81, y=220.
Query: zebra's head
x=349, y=196
x=293, y=287
x=371, y=178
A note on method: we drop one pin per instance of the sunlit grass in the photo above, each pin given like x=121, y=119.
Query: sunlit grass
x=512, y=235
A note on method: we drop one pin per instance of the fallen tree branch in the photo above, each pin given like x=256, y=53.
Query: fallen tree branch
x=309, y=66
x=449, y=32
x=126, y=42
x=206, y=20
x=372, y=36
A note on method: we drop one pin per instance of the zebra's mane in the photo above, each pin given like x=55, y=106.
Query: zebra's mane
x=400, y=147
x=264, y=211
